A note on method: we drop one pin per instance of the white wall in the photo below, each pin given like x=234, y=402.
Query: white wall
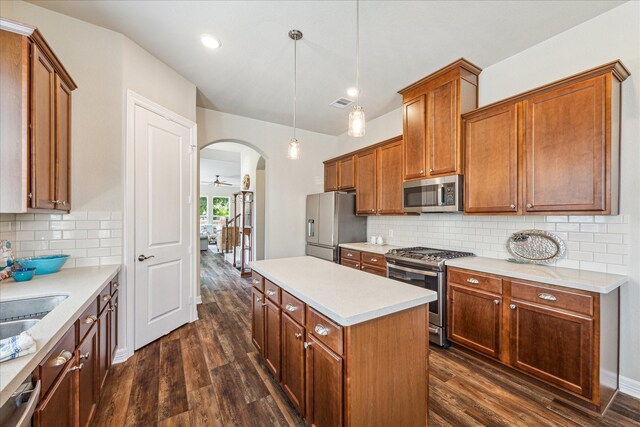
x=611, y=243
x=287, y=181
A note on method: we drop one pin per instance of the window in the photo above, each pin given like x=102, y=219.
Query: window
x=203, y=210
x=220, y=207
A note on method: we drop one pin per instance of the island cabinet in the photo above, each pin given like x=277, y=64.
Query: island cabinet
x=566, y=339
x=554, y=149
x=336, y=375
x=431, y=120
x=36, y=123
x=72, y=374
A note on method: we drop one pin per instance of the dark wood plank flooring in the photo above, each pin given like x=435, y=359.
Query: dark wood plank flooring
x=207, y=373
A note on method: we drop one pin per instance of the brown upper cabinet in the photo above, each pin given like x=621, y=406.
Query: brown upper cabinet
x=347, y=173
x=35, y=123
x=331, y=176
x=554, y=149
x=431, y=120
x=366, y=183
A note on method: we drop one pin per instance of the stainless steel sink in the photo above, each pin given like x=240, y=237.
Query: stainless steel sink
x=15, y=327
x=29, y=308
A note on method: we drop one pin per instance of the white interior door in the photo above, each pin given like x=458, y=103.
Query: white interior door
x=163, y=289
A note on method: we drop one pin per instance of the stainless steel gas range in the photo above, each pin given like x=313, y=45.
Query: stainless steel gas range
x=425, y=267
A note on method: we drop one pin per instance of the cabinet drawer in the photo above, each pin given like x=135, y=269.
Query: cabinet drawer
x=350, y=263
x=372, y=270
x=104, y=298
x=374, y=259
x=272, y=291
x=350, y=254
x=325, y=330
x=552, y=297
x=52, y=365
x=87, y=319
x=257, y=281
x=293, y=307
x=475, y=280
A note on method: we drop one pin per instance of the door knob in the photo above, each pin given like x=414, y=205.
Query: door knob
x=143, y=258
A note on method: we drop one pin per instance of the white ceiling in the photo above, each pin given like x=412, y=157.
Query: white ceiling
x=401, y=42
x=219, y=162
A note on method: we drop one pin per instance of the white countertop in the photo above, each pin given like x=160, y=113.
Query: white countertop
x=82, y=285
x=346, y=295
x=568, y=277
x=368, y=247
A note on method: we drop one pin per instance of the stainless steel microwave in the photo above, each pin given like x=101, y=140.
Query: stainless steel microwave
x=443, y=194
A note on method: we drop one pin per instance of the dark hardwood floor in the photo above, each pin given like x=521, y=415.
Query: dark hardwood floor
x=207, y=373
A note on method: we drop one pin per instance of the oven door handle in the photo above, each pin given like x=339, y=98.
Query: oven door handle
x=413, y=270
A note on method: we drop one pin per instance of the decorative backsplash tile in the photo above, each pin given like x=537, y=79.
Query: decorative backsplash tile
x=91, y=238
x=596, y=243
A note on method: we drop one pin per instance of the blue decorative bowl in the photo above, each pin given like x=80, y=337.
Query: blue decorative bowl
x=43, y=264
x=23, y=274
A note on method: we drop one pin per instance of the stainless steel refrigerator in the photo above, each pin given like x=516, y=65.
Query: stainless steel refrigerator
x=331, y=220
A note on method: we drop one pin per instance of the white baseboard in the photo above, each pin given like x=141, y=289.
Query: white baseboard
x=199, y=299
x=121, y=356
x=630, y=387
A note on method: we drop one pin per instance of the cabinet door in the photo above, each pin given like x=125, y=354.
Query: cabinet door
x=324, y=386
x=113, y=338
x=88, y=390
x=552, y=345
x=491, y=174
x=272, y=338
x=415, y=140
x=62, y=145
x=293, y=362
x=347, y=173
x=389, y=181
x=565, y=144
x=366, y=183
x=331, y=176
x=442, y=129
x=475, y=319
x=257, y=319
x=42, y=131
x=58, y=408
x=104, y=350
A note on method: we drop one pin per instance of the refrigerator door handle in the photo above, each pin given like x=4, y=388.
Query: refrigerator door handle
x=310, y=228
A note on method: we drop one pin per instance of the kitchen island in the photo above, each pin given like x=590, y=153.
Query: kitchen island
x=348, y=348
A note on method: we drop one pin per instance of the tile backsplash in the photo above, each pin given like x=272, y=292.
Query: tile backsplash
x=91, y=238
x=596, y=243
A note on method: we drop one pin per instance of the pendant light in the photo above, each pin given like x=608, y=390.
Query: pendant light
x=293, y=152
x=356, y=116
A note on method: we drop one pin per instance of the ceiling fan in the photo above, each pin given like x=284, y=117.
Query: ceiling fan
x=218, y=183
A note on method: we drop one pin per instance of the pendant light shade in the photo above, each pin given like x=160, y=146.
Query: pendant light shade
x=356, y=116
x=293, y=151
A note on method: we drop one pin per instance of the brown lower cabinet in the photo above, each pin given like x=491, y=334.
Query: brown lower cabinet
x=335, y=375
x=73, y=373
x=567, y=339
x=368, y=262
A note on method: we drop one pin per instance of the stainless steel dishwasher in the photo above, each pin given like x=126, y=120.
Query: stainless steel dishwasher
x=18, y=409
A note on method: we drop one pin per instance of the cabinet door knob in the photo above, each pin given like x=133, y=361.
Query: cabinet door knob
x=512, y=206
x=496, y=301
x=290, y=307
x=421, y=170
x=298, y=335
x=512, y=306
x=115, y=285
x=307, y=344
x=258, y=299
x=321, y=330
x=529, y=205
x=430, y=170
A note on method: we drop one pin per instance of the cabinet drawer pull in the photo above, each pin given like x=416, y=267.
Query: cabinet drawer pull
x=529, y=205
x=106, y=298
x=89, y=320
x=84, y=356
x=307, y=344
x=271, y=292
x=321, y=330
x=374, y=259
x=512, y=206
x=349, y=254
x=512, y=306
x=547, y=297
x=298, y=335
x=472, y=280
x=77, y=368
x=290, y=307
x=258, y=299
x=256, y=281
x=63, y=358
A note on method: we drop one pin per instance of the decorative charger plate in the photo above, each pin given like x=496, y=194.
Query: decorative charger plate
x=535, y=246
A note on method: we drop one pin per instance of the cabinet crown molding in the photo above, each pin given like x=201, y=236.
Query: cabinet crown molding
x=363, y=149
x=460, y=63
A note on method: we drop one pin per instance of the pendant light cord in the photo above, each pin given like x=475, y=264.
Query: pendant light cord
x=358, y=52
x=295, y=83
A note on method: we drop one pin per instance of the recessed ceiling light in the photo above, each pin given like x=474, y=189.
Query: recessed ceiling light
x=210, y=41
x=352, y=91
